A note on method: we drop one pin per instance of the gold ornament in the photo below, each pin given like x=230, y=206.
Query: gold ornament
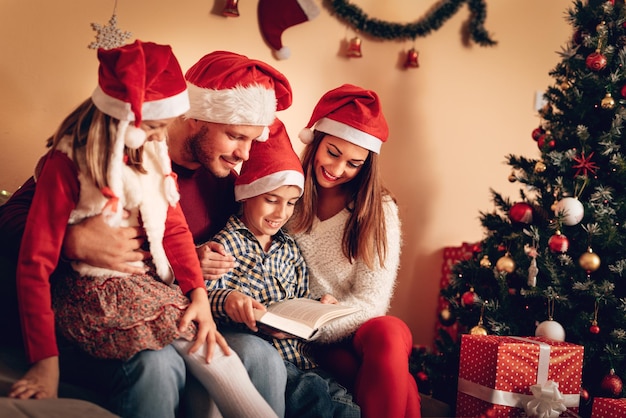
x=607, y=102
x=485, y=262
x=478, y=330
x=589, y=261
x=540, y=167
x=505, y=264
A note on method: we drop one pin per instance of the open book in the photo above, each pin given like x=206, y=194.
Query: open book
x=301, y=317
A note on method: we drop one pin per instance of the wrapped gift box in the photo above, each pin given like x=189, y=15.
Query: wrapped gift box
x=496, y=375
x=608, y=408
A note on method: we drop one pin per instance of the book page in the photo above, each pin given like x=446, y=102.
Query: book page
x=309, y=311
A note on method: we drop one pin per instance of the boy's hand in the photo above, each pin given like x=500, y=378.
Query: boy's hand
x=214, y=261
x=329, y=299
x=239, y=308
x=41, y=381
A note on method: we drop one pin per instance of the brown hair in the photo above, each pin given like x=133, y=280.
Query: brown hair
x=365, y=233
x=92, y=134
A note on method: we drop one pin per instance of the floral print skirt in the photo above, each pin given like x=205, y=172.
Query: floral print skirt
x=117, y=317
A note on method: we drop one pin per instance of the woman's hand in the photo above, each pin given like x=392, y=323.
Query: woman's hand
x=94, y=242
x=240, y=308
x=199, y=311
x=41, y=381
x=214, y=261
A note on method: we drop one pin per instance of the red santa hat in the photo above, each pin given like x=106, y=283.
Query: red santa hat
x=233, y=89
x=272, y=164
x=139, y=81
x=350, y=113
x=277, y=15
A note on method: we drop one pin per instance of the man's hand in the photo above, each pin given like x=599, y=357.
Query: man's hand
x=199, y=311
x=94, y=242
x=239, y=308
x=214, y=261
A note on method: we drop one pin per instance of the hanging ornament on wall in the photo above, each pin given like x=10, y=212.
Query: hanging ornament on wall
x=354, y=48
x=109, y=36
x=411, y=59
x=230, y=8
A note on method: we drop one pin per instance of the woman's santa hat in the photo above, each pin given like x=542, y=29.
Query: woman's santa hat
x=350, y=113
x=233, y=89
x=277, y=15
x=272, y=164
x=136, y=82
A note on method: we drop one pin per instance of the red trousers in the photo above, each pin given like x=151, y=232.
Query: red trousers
x=374, y=366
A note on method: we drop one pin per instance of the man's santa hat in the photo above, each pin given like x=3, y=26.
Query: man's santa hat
x=277, y=15
x=272, y=164
x=350, y=113
x=136, y=82
x=233, y=89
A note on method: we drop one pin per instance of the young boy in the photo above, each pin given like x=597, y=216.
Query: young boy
x=270, y=268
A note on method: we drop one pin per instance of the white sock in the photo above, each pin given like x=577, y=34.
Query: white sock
x=227, y=381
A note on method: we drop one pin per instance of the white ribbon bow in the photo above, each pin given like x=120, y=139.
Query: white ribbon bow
x=547, y=402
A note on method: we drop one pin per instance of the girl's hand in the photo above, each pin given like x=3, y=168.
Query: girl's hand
x=329, y=299
x=214, y=261
x=199, y=311
x=41, y=381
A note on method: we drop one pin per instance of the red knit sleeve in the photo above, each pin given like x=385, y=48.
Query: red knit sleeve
x=181, y=251
x=55, y=196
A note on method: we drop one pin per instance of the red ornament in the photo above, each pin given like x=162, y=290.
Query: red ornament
x=422, y=377
x=411, y=59
x=623, y=91
x=545, y=141
x=584, y=394
x=537, y=132
x=585, y=165
x=558, y=243
x=230, y=9
x=469, y=298
x=596, y=61
x=521, y=212
x=354, y=48
x=612, y=384
x=594, y=328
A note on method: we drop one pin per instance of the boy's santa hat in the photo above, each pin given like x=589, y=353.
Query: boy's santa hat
x=277, y=15
x=136, y=82
x=233, y=89
x=272, y=164
x=350, y=113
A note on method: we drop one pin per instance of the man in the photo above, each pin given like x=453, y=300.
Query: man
x=233, y=102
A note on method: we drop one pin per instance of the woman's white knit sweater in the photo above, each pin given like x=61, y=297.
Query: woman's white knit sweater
x=354, y=283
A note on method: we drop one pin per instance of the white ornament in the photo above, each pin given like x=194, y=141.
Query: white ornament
x=550, y=329
x=571, y=209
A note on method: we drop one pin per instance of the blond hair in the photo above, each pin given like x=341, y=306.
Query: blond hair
x=365, y=233
x=92, y=133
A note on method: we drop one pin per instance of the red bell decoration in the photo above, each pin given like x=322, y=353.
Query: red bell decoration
x=230, y=9
x=354, y=48
x=411, y=59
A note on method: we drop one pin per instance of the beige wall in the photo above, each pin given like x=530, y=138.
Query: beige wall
x=452, y=120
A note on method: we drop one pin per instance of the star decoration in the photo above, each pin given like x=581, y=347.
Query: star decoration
x=109, y=36
x=585, y=165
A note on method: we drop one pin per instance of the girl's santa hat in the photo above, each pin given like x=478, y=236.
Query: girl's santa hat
x=233, y=89
x=350, y=113
x=272, y=164
x=136, y=82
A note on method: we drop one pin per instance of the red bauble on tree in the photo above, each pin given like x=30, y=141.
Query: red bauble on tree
x=558, y=243
x=612, y=384
x=596, y=61
x=521, y=212
x=537, y=132
x=469, y=298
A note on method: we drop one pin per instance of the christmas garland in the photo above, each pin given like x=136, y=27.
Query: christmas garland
x=445, y=9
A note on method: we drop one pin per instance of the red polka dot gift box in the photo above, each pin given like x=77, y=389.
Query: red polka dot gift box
x=518, y=376
x=608, y=408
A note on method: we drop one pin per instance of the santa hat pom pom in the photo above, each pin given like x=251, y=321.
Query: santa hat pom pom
x=306, y=136
x=134, y=137
x=283, y=53
x=264, y=135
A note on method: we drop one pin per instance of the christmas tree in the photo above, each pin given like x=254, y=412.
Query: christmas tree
x=553, y=259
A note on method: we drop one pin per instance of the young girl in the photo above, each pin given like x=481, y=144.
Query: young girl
x=348, y=229
x=109, y=156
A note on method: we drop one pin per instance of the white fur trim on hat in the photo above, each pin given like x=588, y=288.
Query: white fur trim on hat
x=252, y=105
x=165, y=108
x=268, y=183
x=350, y=134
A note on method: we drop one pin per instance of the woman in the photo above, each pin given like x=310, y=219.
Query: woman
x=347, y=227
